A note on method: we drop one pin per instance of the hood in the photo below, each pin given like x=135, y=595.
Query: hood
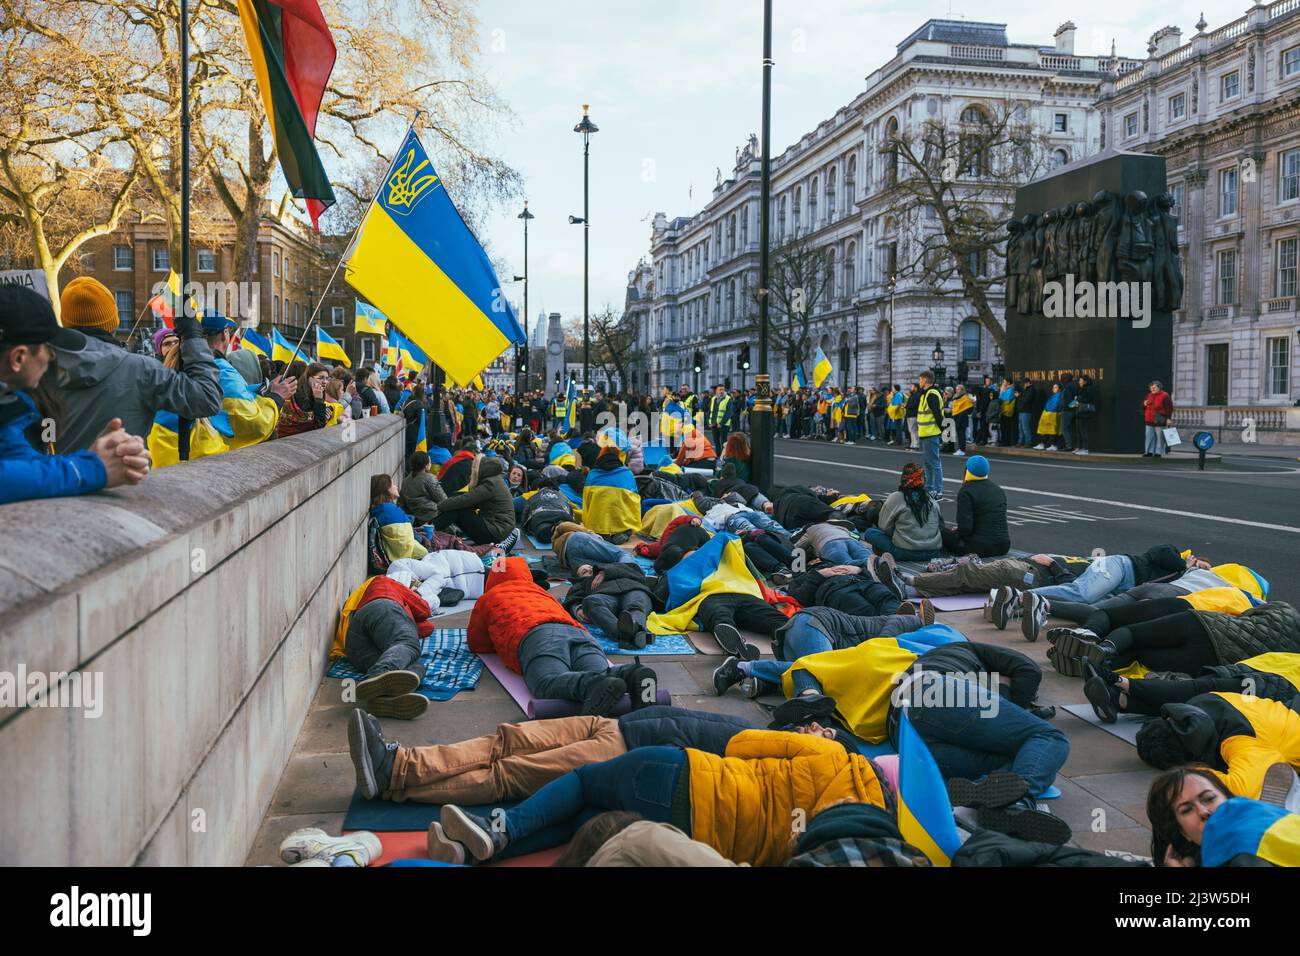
x=1195, y=730
x=489, y=466
x=514, y=569
x=246, y=364
x=89, y=365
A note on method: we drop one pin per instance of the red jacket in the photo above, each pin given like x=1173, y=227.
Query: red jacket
x=416, y=606
x=651, y=550
x=511, y=606
x=1158, y=404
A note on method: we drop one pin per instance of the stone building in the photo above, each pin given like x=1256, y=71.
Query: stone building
x=833, y=187
x=1223, y=110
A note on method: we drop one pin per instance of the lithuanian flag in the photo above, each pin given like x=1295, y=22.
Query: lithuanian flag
x=293, y=55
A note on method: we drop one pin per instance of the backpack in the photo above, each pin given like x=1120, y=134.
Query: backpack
x=377, y=560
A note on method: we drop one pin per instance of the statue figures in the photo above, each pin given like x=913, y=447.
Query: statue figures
x=1105, y=230
x=1050, y=265
x=1166, y=225
x=1083, y=225
x=1014, y=266
x=1036, y=277
x=1066, y=253
x=1136, y=248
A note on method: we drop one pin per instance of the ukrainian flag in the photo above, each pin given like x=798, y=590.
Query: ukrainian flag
x=561, y=453
x=369, y=319
x=417, y=262
x=255, y=341
x=924, y=812
x=610, y=501
x=421, y=437
x=282, y=350
x=327, y=347
x=571, y=407
x=674, y=419
x=403, y=350
x=821, y=368
x=718, y=567
x=1243, y=825
x=797, y=379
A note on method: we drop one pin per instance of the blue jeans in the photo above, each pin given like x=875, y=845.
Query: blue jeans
x=1026, y=431
x=584, y=548
x=1155, y=441
x=641, y=780
x=1067, y=429
x=933, y=464
x=969, y=735
x=1105, y=577
x=845, y=551
x=884, y=544
x=743, y=521
x=801, y=640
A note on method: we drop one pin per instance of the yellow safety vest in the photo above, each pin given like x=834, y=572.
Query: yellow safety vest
x=926, y=426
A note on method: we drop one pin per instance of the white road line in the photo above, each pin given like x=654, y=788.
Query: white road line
x=1221, y=519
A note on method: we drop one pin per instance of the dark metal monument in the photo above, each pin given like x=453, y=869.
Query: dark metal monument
x=1093, y=279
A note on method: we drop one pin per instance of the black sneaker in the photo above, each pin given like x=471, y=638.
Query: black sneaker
x=388, y=684
x=1101, y=693
x=726, y=675
x=510, y=542
x=890, y=579
x=729, y=639
x=1002, y=606
x=802, y=709
x=1026, y=823
x=481, y=838
x=629, y=635
x=640, y=683
x=401, y=706
x=1034, y=610
x=372, y=756
x=602, y=697
x=1081, y=644
x=995, y=790
x=1063, y=664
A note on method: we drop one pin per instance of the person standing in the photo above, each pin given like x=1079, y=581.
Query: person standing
x=929, y=415
x=912, y=408
x=1025, y=414
x=962, y=404
x=1087, y=402
x=983, y=398
x=1158, y=410
x=1069, y=407
x=853, y=412
x=719, y=414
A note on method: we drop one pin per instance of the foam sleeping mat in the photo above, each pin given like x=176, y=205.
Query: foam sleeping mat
x=1126, y=728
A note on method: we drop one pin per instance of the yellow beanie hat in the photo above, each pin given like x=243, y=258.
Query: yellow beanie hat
x=86, y=303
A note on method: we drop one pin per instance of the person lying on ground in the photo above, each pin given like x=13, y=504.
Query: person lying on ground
x=485, y=513
x=616, y=599
x=536, y=638
x=576, y=545
x=518, y=759
x=1251, y=743
x=981, y=527
x=1180, y=638
x=728, y=483
x=421, y=493
x=770, y=553
x=799, y=506
x=741, y=804
x=449, y=576
x=620, y=838
x=1197, y=821
x=733, y=515
x=384, y=628
x=1225, y=600
x=909, y=523
x=543, y=510
x=833, y=542
x=967, y=575
x=869, y=590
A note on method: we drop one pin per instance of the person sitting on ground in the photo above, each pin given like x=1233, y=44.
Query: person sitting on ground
x=696, y=451
x=909, y=523
x=384, y=630
x=518, y=759
x=1197, y=821
x=536, y=638
x=1252, y=743
x=737, y=454
x=611, y=505
x=439, y=453
x=396, y=528
x=740, y=804
x=528, y=451
x=616, y=599
x=421, y=493
x=485, y=513
x=981, y=515
x=455, y=473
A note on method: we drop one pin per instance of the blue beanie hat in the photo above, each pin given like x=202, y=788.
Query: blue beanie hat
x=978, y=466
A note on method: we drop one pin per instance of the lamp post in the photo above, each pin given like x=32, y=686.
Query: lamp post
x=523, y=366
x=937, y=364
x=586, y=128
x=764, y=449
x=893, y=286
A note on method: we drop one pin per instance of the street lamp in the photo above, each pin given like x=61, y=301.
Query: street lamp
x=586, y=128
x=937, y=364
x=523, y=366
x=893, y=286
x=764, y=447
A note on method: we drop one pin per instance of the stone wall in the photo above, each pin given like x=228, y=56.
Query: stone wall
x=205, y=600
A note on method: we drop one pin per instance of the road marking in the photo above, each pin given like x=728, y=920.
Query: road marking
x=1221, y=519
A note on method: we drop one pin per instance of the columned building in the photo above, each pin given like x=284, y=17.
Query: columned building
x=834, y=190
x=1223, y=109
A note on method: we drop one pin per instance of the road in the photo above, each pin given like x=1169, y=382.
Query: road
x=1243, y=509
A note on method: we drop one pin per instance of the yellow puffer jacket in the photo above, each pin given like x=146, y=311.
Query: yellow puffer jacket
x=748, y=804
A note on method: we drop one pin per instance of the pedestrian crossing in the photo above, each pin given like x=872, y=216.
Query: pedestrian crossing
x=1036, y=514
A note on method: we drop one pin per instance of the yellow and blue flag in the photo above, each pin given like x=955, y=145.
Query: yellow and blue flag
x=255, y=341
x=1248, y=826
x=821, y=368
x=571, y=407
x=717, y=567
x=328, y=347
x=418, y=263
x=797, y=379
x=422, y=437
x=610, y=501
x=924, y=811
x=282, y=350
x=405, y=353
x=560, y=453
x=369, y=319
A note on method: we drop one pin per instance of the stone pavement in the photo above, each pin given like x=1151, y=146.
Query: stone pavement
x=1103, y=784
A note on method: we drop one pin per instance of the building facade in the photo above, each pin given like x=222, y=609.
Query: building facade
x=835, y=190
x=1223, y=109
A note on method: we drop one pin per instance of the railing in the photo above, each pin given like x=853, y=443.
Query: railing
x=1280, y=305
x=1176, y=56
x=1218, y=312
x=1281, y=7
x=1056, y=61
x=1129, y=79
x=964, y=52
x=1272, y=418
x=1233, y=30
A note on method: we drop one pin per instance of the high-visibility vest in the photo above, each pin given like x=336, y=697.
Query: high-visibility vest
x=926, y=426
x=721, y=409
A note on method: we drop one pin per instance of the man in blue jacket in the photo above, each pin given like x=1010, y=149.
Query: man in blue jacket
x=28, y=334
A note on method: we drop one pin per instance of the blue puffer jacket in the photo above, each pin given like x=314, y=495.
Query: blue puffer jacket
x=25, y=473
x=664, y=726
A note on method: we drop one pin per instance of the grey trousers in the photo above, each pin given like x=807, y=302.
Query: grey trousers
x=560, y=661
x=602, y=610
x=975, y=576
x=381, y=637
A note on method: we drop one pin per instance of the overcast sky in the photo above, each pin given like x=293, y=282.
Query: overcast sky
x=676, y=85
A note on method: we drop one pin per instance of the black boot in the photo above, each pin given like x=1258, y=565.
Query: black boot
x=641, y=683
x=372, y=755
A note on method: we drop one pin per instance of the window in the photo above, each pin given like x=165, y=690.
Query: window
x=275, y=264
x=1286, y=268
x=205, y=260
x=297, y=313
x=125, y=309
x=287, y=273
x=1229, y=85
x=1279, y=366
x=1059, y=158
x=970, y=336
x=1291, y=61
x=1130, y=125
x=257, y=263
x=123, y=261
x=367, y=349
x=275, y=308
x=1228, y=192
x=891, y=163
x=977, y=261
x=850, y=180
x=1288, y=177
x=336, y=315
x=1227, y=284
x=1177, y=107
x=1061, y=122
x=161, y=259
x=1179, y=192
x=851, y=270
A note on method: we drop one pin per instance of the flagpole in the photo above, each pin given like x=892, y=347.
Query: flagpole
x=183, y=436
x=311, y=323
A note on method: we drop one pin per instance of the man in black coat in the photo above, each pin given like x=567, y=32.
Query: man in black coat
x=616, y=598
x=983, y=396
x=981, y=515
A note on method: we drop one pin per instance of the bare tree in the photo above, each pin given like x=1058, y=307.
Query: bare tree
x=950, y=190
x=615, y=344
x=799, y=281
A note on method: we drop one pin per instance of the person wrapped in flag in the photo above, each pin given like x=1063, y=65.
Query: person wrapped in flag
x=611, y=504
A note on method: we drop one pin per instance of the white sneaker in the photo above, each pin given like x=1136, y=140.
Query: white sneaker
x=312, y=843
x=1039, y=447
x=1084, y=451
x=959, y=454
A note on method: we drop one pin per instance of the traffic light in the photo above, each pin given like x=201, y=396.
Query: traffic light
x=699, y=362
x=744, y=357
